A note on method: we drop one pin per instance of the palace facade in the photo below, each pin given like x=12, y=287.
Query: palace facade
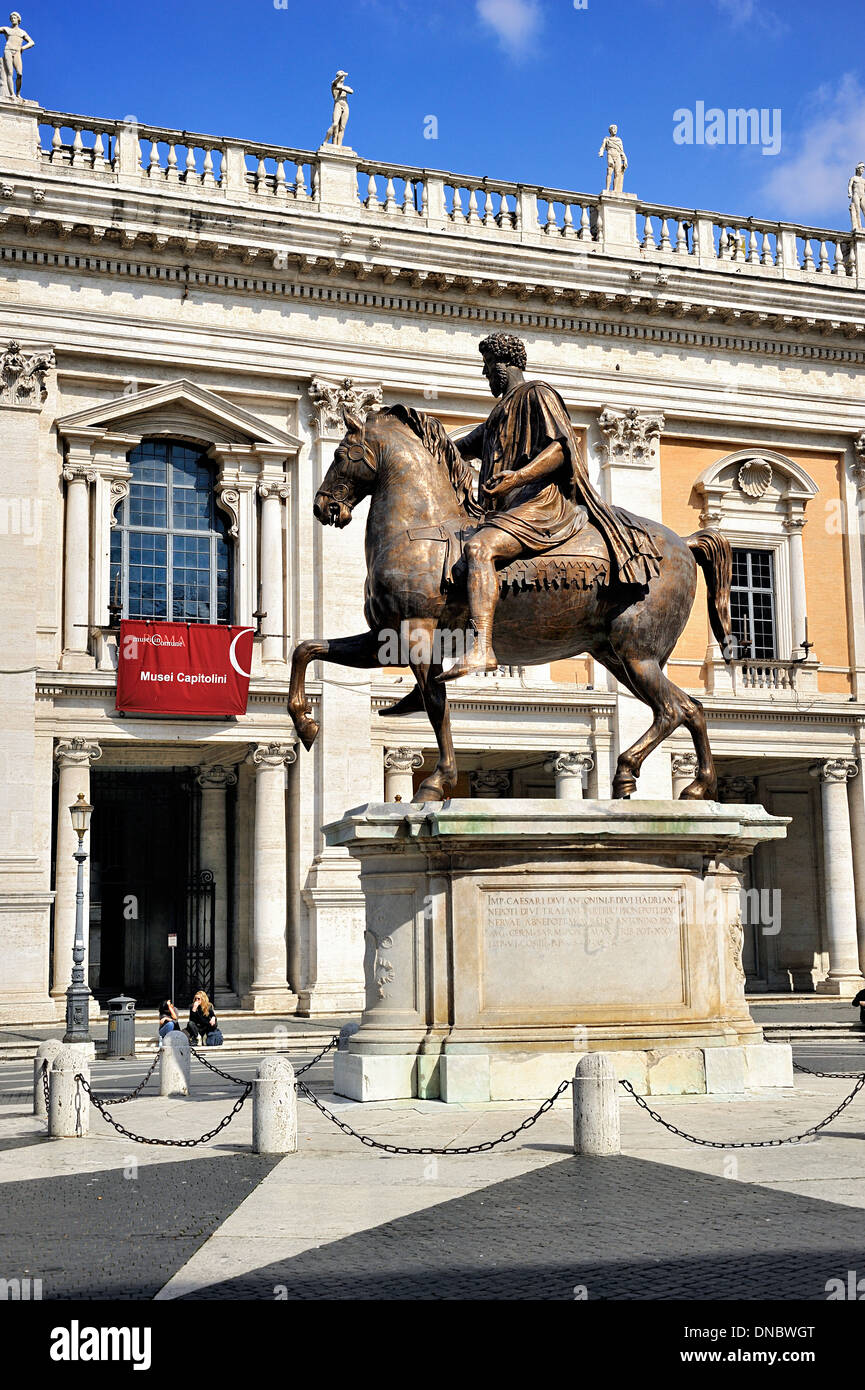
x=186, y=317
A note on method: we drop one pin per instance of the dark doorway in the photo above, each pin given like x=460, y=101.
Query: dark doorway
x=144, y=857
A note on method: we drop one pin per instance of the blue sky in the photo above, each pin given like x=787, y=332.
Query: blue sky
x=520, y=89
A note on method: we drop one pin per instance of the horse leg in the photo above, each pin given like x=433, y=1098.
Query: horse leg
x=426, y=669
x=666, y=701
x=705, y=785
x=361, y=651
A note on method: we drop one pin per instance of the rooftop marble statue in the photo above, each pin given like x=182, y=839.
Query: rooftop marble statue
x=856, y=194
x=617, y=160
x=340, y=93
x=11, y=67
x=551, y=569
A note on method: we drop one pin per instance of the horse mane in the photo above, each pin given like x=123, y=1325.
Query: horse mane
x=436, y=440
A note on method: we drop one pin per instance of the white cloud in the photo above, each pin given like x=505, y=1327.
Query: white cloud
x=752, y=14
x=810, y=182
x=515, y=22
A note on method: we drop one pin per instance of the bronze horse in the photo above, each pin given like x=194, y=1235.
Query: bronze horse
x=417, y=482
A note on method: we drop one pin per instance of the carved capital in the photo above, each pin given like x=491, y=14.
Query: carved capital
x=684, y=765
x=859, y=465
x=22, y=378
x=79, y=472
x=569, y=764
x=631, y=436
x=272, y=755
x=77, y=751
x=272, y=488
x=490, y=784
x=402, y=760
x=835, y=770
x=216, y=778
x=331, y=398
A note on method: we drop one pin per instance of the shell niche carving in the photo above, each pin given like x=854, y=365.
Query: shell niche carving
x=755, y=475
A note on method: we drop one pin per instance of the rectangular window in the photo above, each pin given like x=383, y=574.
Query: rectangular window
x=752, y=604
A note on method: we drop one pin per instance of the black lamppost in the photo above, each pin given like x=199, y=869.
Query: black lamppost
x=78, y=995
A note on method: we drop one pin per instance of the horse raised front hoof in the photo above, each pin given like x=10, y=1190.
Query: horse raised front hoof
x=307, y=728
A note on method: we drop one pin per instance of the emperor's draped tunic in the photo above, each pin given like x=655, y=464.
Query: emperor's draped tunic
x=545, y=513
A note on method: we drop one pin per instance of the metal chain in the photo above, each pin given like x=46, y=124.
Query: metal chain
x=401, y=1149
x=298, y=1071
x=747, y=1143
x=334, y=1042
x=168, y=1143
x=133, y=1095
x=226, y=1076
x=843, y=1075
x=46, y=1089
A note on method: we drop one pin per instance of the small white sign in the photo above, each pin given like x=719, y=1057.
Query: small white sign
x=172, y=938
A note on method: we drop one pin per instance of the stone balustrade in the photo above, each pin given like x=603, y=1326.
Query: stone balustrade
x=152, y=157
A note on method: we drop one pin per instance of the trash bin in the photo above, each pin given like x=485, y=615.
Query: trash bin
x=121, y=1027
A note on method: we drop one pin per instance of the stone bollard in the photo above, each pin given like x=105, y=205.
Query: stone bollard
x=274, y=1108
x=174, y=1064
x=596, y=1106
x=46, y=1052
x=69, y=1103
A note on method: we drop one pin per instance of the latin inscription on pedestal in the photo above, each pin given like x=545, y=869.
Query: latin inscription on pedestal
x=555, y=948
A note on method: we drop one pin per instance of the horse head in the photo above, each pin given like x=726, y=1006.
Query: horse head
x=350, y=478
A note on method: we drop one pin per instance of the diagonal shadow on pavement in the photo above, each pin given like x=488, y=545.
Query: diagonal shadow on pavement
x=621, y=1228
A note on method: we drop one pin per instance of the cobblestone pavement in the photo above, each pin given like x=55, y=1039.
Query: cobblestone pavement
x=97, y=1235
x=620, y=1228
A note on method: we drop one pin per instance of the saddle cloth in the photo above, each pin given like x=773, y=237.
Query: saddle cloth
x=582, y=561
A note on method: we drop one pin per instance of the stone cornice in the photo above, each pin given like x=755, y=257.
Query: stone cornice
x=708, y=329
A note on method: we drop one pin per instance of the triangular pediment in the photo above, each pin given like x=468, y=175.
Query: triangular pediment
x=182, y=408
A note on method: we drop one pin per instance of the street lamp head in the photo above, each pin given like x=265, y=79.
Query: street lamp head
x=81, y=813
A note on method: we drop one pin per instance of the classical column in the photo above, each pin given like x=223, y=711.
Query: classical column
x=569, y=769
x=399, y=766
x=270, y=991
x=74, y=757
x=793, y=525
x=272, y=599
x=844, y=975
x=76, y=565
x=213, y=855
x=684, y=768
x=490, y=784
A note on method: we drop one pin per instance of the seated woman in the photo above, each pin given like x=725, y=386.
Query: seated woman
x=168, y=1020
x=202, y=1021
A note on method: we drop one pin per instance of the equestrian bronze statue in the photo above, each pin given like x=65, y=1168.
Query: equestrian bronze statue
x=535, y=568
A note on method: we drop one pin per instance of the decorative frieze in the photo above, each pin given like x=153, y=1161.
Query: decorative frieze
x=631, y=436
x=22, y=378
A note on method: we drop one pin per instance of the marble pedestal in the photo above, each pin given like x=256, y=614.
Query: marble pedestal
x=505, y=939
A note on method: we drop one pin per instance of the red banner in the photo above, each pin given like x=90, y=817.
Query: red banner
x=194, y=669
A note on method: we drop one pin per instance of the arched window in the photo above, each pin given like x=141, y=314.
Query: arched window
x=170, y=557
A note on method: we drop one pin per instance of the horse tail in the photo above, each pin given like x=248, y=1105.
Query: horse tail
x=712, y=552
